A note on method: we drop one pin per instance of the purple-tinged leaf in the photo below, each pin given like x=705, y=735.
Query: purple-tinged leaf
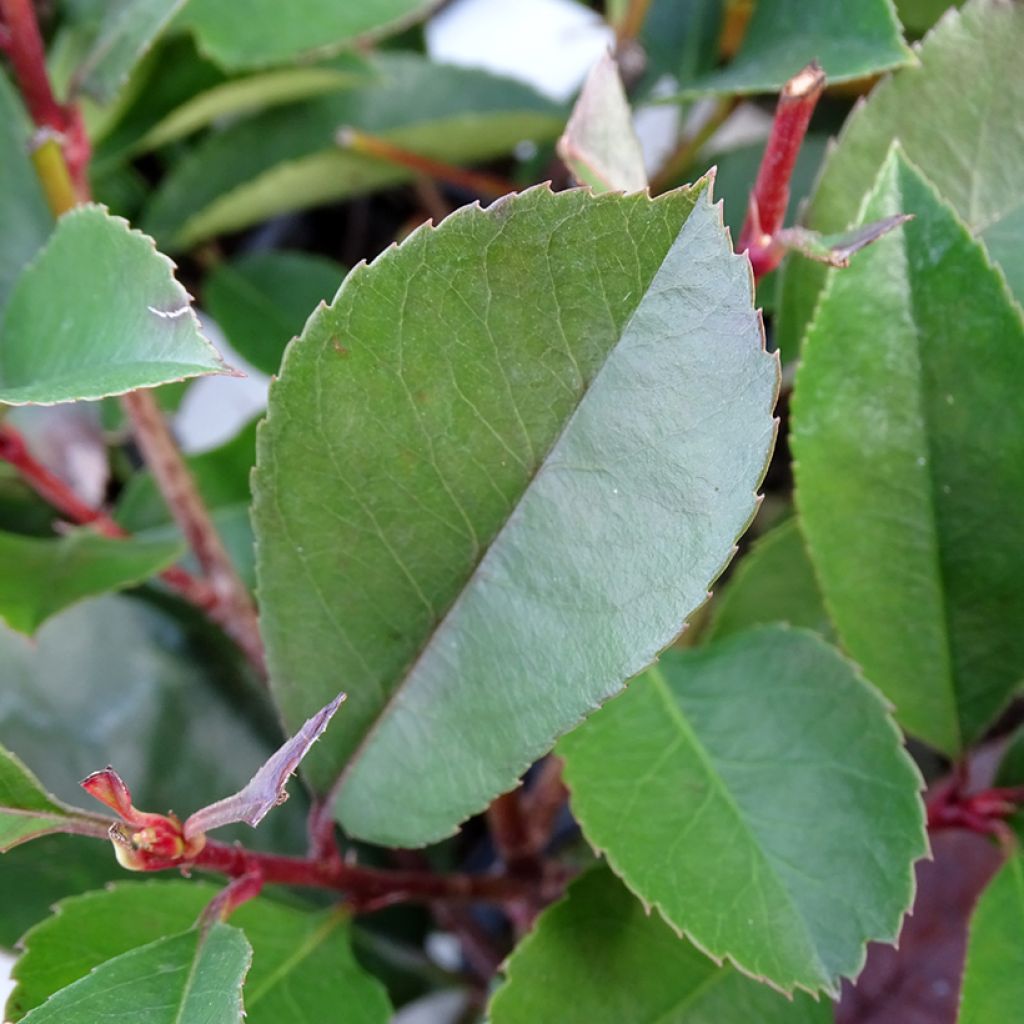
x=266, y=789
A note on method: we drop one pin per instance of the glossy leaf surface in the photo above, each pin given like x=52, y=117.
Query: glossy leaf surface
x=993, y=986
x=908, y=393
x=757, y=794
x=598, y=957
x=98, y=313
x=288, y=159
x=472, y=508
x=195, y=977
x=302, y=965
x=262, y=300
x=849, y=40
x=967, y=140
x=270, y=33
x=43, y=576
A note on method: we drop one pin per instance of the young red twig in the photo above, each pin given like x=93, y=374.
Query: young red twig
x=475, y=181
x=23, y=45
x=950, y=806
x=770, y=196
x=543, y=802
x=510, y=830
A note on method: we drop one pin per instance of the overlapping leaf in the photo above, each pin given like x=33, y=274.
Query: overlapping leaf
x=908, y=437
x=43, y=576
x=849, y=40
x=598, y=957
x=288, y=159
x=757, y=794
x=98, y=313
x=993, y=986
x=194, y=976
x=957, y=116
x=497, y=474
x=302, y=960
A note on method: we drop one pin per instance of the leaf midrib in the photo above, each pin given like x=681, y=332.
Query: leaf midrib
x=306, y=949
x=699, y=188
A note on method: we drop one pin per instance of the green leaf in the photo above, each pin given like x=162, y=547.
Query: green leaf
x=303, y=968
x=287, y=159
x=598, y=957
x=28, y=811
x=773, y=582
x=756, y=793
x=908, y=439
x=918, y=16
x=474, y=508
x=262, y=300
x=957, y=115
x=196, y=976
x=849, y=40
x=43, y=576
x=993, y=987
x=270, y=33
x=599, y=144
x=98, y=313
x=222, y=475
x=128, y=29
x=252, y=93
x=26, y=219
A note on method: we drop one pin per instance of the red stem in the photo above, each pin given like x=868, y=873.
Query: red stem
x=24, y=47
x=512, y=835
x=367, y=888
x=770, y=196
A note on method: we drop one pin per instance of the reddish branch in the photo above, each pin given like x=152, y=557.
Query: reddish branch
x=23, y=45
x=984, y=812
x=770, y=196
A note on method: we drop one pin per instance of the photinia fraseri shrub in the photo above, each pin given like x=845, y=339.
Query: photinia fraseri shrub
x=453, y=571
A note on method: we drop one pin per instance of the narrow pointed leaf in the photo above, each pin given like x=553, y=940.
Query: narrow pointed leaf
x=43, y=576
x=957, y=116
x=848, y=40
x=302, y=965
x=472, y=508
x=773, y=582
x=599, y=144
x=274, y=34
x=908, y=438
x=28, y=811
x=993, y=986
x=127, y=31
x=194, y=976
x=98, y=313
x=598, y=957
x=266, y=789
x=757, y=794
x=836, y=250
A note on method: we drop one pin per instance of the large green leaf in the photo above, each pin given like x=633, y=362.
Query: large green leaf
x=195, y=977
x=757, y=794
x=128, y=29
x=98, y=313
x=773, y=582
x=598, y=957
x=288, y=159
x=496, y=476
x=26, y=219
x=957, y=115
x=28, y=811
x=262, y=300
x=269, y=32
x=43, y=576
x=908, y=437
x=302, y=967
x=222, y=476
x=993, y=987
x=849, y=40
